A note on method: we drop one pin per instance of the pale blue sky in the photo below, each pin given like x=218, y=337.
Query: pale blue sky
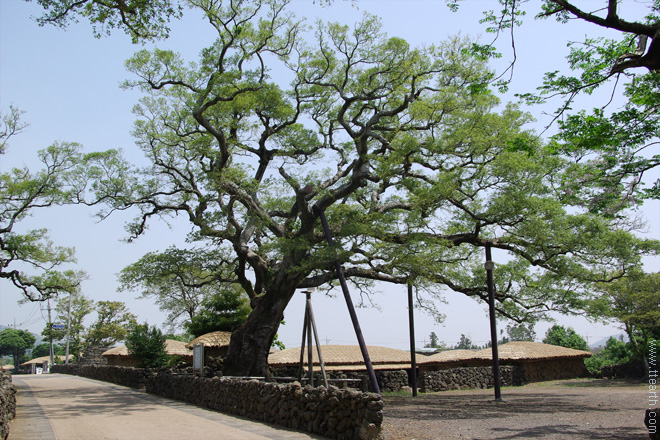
x=67, y=83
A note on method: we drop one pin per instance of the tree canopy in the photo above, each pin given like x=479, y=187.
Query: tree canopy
x=180, y=280
x=565, y=337
x=113, y=323
x=415, y=162
x=413, y=159
x=15, y=342
x=614, y=148
x=30, y=260
x=633, y=301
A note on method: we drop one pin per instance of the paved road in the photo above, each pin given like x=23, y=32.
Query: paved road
x=62, y=407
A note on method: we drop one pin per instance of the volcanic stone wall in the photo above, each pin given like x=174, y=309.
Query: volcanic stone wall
x=388, y=380
x=332, y=412
x=126, y=376
x=468, y=377
x=7, y=404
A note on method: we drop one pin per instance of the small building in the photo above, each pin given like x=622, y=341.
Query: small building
x=42, y=364
x=216, y=344
x=119, y=356
x=536, y=361
x=343, y=357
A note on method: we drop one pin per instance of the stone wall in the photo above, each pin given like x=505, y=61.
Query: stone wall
x=388, y=380
x=332, y=412
x=7, y=404
x=92, y=356
x=631, y=370
x=468, y=377
x=126, y=376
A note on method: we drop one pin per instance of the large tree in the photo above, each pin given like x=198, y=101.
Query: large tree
x=15, y=342
x=80, y=308
x=411, y=157
x=178, y=279
x=30, y=260
x=633, y=301
x=613, y=146
x=113, y=323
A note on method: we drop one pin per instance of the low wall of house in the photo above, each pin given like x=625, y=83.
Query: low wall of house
x=332, y=412
x=126, y=376
x=542, y=370
x=7, y=404
x=468, y=377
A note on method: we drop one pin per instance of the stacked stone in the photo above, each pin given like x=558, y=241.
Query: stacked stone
x=332, y=412
x=126, y=376
x=7, y=404
x=468, y=378
x=93, y=356
x=388, y=380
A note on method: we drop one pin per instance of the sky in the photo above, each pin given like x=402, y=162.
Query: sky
x=67, y=83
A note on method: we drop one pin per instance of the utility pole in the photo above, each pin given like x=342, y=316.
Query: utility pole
x=50, y=335
x=68, y=331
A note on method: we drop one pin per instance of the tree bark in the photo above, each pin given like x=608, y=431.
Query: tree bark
x=251, y=342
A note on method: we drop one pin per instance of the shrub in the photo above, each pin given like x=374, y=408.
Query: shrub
x=147, y=346
x=615, y=352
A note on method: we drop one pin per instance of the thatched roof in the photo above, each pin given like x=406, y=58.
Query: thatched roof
x=512, y=351
x=42, y=359
x=523, y=350
x=342, y=355
x=213, y=339
x=172, y=347
x=449, y=356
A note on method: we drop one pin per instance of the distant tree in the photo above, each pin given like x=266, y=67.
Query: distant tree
x=520, y=332
x=465, y=343
x=615, y=352
x=15, y=343
x=147, y=345
x=178, y=280
x=112, y=324
x=43, y=349
x=634, y=301
x=434, y=340
x=225, y=310
x=565, y=337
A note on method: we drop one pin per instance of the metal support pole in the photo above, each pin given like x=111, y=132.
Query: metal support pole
x=493, y=325
x=351, y=308
x=302, y=347
x=413, y=360
x=310, y=360
x=310, y=312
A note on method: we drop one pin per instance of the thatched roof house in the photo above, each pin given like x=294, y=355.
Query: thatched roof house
x=43, y=361
x=538, y=361
x=120, y=356
x=215, y=343
x=343, y=357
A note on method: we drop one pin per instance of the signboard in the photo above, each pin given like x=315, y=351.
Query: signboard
x=198, y=358
x=59, y=326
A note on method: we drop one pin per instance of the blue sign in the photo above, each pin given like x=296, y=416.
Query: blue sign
x=59, y=326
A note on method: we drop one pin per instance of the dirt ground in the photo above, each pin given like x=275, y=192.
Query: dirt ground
x=573, y=409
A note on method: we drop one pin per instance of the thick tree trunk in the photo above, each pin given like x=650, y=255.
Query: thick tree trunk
x=251, y=342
